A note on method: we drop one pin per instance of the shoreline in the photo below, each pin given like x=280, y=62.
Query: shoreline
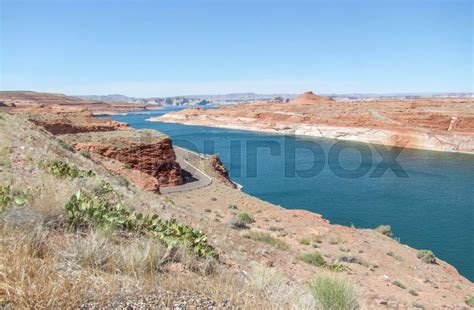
x=314, y=134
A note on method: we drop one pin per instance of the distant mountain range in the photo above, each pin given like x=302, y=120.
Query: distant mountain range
x=197, y=100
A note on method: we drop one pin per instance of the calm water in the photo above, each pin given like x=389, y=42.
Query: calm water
x=432, y=208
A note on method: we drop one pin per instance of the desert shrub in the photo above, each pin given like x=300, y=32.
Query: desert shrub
x=103, y=188
x=413, y=292
x=85, y=154
x=426, y=256
x=313, y=258
x=65, y=146
x=232, y=207
x=332, y=293
x=334, y=240
x=276, y=228
x=246, y=218
x=470, y=301
x=384, y=230
x=9, y=197
x=305, y=241
x=237, y=223
x=353, y=259
x=266, y=238
x=277, y=291
x=397, y=257
x=83, y=210
x=399, y=284
x=91, y=251
x=62, y=169
x=5, y=196
x=311, y=240
x=336, y=267
x=139, y=256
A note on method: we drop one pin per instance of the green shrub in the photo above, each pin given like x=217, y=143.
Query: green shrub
x=84, y=210
x=426, y=256
x=397, y=257
x=246, y=218
x=353, y=259
x=266, y=238
x=336, y=267
x=313, y=258
x=65, y=146
x=333, y=293
x=85, y=154
x=385, y=230
x=311, y=240
x=305, y=241
x=62, y=169
x=7, y=197
x=237, y=223
x=413, y=292
x=399, y=284
x=470, y=301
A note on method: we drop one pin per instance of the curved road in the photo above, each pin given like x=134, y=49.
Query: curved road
x=196, y=177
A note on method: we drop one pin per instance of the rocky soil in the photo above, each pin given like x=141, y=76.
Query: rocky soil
x=445, y=124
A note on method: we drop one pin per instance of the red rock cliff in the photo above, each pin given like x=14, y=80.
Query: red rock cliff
x=143, y=150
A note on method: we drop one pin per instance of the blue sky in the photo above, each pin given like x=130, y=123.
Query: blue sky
x=163, y=48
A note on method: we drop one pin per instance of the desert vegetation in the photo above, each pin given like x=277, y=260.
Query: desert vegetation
x=331, y=292
x=266, y=238
x=426, y=256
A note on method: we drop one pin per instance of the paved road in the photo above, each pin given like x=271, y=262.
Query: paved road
x=196, y=178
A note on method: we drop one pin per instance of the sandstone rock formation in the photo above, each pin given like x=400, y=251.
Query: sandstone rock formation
x=72, y=120
x=309, y=98
x=222, y=172
x=147, y=151
x=441, y=124
x=24, y=101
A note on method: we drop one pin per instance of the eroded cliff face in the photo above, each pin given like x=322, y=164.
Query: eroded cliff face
x=221, y=171
x=146, y=151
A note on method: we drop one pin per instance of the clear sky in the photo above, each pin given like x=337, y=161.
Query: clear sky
x=163, y=48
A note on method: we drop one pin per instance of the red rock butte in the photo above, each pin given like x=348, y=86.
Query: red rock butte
x=310, y=98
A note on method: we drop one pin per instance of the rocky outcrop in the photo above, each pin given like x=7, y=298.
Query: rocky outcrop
x=309, y=98
x=146, y=151
x=25, y=101
x=60, y=120
x=221, y=170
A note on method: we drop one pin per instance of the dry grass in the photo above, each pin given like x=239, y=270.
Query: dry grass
x=142, y=256
x=29, y=282
x=266, y=238
x=277, y=292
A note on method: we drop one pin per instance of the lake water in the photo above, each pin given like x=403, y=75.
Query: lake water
x=432, y=208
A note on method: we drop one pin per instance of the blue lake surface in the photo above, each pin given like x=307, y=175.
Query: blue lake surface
x=432, y=208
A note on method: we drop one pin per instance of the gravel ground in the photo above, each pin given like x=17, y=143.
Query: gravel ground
x=180, y=300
